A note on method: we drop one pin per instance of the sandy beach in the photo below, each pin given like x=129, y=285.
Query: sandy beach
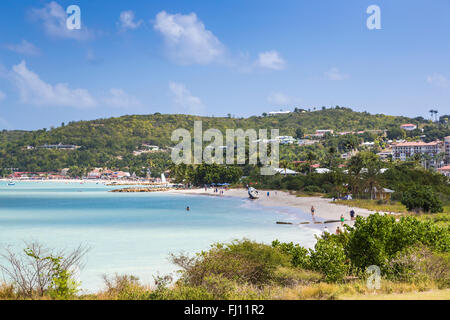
x=324, y=208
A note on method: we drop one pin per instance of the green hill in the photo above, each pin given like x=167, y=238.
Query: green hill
x=110, y=142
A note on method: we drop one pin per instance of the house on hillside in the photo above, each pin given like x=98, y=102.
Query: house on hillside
x=275, y=113
x=408, y=126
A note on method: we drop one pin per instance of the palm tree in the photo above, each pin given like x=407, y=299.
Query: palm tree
x=332, y=152
x=371, y=177
x=310, y=157
x=284, y=165
x=426, y=158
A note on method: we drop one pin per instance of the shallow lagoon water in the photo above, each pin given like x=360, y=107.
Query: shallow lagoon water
x=133, y=233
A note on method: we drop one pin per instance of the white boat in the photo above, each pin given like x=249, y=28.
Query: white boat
x=11, y=183
x=253, y=193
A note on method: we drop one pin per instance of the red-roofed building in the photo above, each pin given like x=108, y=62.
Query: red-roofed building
x=405, y=150
x=445, y=170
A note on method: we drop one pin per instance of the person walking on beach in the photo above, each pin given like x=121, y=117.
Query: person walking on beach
x=338, y=230
x=268, y=193
x=352, y=214
x=312, y=211
x=342, y=220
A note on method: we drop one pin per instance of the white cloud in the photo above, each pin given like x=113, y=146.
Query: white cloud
x=53, y=17
x=335, y=74
x=183, y=98
x=438, y=80
x=2, y=95
x=281, y=99
x=126, y=20
x=24, y=47
x=186, y=39
x=270, y=60
x=35, y=91
x=120, y=99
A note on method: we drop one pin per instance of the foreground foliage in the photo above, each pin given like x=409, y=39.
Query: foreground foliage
x=413, y=256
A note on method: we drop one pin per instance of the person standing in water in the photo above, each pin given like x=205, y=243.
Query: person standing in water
x=187, y=208
x=342, y=220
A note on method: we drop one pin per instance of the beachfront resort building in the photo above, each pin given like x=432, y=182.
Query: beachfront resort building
x=408, y=126
x=100, y=173
x=405, y=150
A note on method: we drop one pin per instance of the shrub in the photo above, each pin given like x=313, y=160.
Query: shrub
x=329, y=258
x=242, y=261
x=422, y=198
x=299, y=255
x=313, y=189
x=419, y=264
x=376, y=239
x=124, y=287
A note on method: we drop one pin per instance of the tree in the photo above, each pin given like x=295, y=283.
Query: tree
x=329, y=257
x=299, y=133
x=396, y=133
x=284, y=164
x=310, y=157
x=422, y=198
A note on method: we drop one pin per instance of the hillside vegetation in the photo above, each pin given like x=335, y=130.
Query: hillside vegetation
x=110, y=142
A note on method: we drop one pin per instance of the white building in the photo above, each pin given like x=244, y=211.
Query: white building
x=323, y=132
x=283, y=171
x=385, y=154
x=274, y=113
x=445, y=171
x=408, y=127
x=286, y=139
x=403, y=151
x=447, y=149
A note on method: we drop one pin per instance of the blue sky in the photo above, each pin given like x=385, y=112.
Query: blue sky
x=219, y=57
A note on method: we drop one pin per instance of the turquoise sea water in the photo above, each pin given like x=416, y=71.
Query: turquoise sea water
x=133, y=233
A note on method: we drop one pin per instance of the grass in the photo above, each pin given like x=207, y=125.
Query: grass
x=427, y=295
x=392, y=206
x=442, y=218
x=126, y=289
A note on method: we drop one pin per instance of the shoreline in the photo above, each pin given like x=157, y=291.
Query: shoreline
x=324, y=208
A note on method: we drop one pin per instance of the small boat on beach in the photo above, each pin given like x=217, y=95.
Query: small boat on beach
x=253, y=193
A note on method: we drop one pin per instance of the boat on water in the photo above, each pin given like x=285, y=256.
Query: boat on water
x=253, y=193
x=11, y=183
